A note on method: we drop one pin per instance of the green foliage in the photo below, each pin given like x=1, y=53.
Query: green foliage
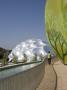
x=58, y=43
x=14, y=59
x=4, y=60
x=56, y=26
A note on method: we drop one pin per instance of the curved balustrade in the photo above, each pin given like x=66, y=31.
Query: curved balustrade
x=26, y=77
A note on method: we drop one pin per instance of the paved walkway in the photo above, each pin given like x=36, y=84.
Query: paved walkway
x=49, y=79
x=61, y=71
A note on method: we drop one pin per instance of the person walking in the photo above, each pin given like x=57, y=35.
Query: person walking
x=49, y=58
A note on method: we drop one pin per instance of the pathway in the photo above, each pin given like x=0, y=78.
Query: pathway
x=49, y=79
x=61, y=71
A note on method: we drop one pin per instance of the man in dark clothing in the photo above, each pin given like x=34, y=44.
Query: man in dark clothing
x=49, y=58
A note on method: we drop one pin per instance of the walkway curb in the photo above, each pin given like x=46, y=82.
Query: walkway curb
x=56, y=77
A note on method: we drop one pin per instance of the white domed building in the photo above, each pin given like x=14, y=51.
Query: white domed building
x=28, y=50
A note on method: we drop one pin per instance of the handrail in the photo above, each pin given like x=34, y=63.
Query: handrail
x=17, y=65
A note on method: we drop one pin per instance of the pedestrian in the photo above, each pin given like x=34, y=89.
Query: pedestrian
x=49, y=58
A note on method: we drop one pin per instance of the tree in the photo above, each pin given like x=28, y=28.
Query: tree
x=56, y=39
x=56, y=26
x=4, y=60
x=14, y=59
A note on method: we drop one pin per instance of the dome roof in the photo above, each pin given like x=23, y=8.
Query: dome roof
x=30, y=48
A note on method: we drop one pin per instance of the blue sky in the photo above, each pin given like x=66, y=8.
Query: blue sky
x=21, y=20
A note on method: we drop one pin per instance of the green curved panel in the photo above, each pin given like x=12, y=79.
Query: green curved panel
x=56, y=26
